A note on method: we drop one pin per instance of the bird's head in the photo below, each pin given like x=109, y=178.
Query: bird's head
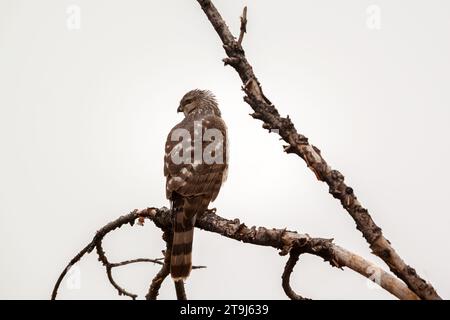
x=198, y=100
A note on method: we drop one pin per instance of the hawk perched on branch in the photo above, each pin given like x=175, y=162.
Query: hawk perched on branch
x=195, y=165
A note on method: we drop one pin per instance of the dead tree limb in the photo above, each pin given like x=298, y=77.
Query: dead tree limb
x=127, y=262
x=104, y=260
x=298, y=144
x=286, y=276
x=289, y=242
x=126, y=219
x=281, y=239
x=165, y=269
x=243, y=25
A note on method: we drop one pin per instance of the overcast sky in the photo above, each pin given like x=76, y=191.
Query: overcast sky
x=89, y=91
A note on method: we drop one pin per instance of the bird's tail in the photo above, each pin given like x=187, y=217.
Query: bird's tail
x=183, y=235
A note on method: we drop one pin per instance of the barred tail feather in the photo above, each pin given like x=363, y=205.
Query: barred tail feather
x=181, y=258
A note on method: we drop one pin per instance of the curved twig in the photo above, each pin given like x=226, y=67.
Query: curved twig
x=285, y=278
x=265, y=111
x=104, y=260
x=74, y=260
x=126, y=219
x=161, y=218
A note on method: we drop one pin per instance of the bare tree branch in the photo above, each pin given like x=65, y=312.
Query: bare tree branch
x=104, y=260
x=290, y=264
x=127, y=219
x=157, y=282
x=324, y=248
x=165, y=269
x=265, y=111
x=289, y=242
x=127, y=262
x=74, y=260
x=243, y=25
x=277, y=238
x=96, y=242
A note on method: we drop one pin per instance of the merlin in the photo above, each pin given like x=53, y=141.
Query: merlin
x=195, y=167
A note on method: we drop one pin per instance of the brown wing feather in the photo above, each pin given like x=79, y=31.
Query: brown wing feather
x=190, y=180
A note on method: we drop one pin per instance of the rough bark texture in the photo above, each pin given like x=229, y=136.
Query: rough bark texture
x=157, y=281
x=282, y=239
x=298, y=144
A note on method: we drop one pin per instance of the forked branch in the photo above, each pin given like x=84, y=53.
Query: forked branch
x=281, y=239
x=298, y=144
x=288, y=242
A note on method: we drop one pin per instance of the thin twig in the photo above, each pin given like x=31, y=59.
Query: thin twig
x=265, y=111
x=285, y=283
x=126, y=219
x=67, y=268
x=243, y=25
x=104, y=260
x=159, y=261
x=160, y=217
x=127, y=262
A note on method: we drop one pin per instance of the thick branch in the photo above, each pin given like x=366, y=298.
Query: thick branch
x=277, y=238
x=324, y=248
x=265, y=111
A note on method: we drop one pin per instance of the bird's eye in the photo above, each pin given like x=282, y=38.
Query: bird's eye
x=187, y=101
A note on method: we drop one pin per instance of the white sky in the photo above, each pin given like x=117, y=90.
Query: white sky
x=84, y=115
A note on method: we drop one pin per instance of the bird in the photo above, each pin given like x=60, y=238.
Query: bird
x=195, y=167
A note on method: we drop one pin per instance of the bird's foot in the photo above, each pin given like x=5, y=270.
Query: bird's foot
x=213, y=211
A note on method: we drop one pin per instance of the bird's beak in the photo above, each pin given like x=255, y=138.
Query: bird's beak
x=180, y=108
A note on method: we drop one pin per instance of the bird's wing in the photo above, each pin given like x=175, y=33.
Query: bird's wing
x=202, y=174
